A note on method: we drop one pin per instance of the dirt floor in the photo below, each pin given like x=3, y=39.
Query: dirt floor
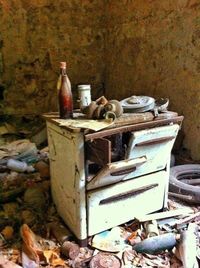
x=33, y=235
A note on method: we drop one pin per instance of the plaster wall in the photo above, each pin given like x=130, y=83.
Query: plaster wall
x=131, y=46
x=153, y=48
x=34, y=37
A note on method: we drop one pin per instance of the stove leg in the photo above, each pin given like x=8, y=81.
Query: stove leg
x=82, y=242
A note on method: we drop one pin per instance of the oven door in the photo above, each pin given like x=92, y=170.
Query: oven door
x=155, y=144
x=115, y=172
x=121, y=202
x=148, y=151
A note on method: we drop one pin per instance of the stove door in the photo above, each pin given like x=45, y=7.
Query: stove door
x=148, y=151
x=155, y=144
x=115, y=172
x=118, y=203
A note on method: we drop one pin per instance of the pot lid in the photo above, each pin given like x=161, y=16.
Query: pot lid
x=138, y=103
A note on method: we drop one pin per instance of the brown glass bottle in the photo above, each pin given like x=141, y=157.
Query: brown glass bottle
x=65, y=98
x=62, y=72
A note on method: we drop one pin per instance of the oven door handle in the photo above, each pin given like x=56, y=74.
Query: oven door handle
x=124, y=171
x=126, y=166
x=127, y=194
x=155, y=141
x=115, y=172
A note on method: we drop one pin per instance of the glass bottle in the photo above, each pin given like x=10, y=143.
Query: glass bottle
x=62, y=72
x=65, y=98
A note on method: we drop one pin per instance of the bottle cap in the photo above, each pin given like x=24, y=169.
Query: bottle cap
x=63, y=64
x=84, y=87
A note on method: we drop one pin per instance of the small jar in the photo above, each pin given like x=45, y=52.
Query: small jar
x=84, y=94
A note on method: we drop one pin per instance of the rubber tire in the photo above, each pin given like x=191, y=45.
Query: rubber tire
x=176, y=186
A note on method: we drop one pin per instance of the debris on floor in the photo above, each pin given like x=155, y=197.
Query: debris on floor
x=33, y=235
x=184, y=182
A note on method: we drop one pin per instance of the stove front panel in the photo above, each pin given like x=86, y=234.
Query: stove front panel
x=119, y=203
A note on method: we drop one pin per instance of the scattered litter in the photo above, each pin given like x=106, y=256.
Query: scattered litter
x=8, y=232
x=156, y=244
x=34, y=197
x=43, y=168
x=19, y=166
x=59, y=231
x=105, y=260
x=111, y=241
x=7, y=129
x=165, y=214
x=184, y=182
x=39, y=136
x=37, y=249
x=70, y=250
x=151, y=228
x=5, y=263
x=17, y=147
x=155, y=240
x=187, y=247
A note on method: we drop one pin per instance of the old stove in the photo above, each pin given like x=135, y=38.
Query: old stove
x=106, y=178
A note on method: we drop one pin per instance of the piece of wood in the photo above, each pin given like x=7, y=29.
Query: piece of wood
x=70, y=250
x=187, y=219
x=133, y=127
x=51, y=117
x=188, y=248
x=181, y=196
x=133, y=118
x=165, y=214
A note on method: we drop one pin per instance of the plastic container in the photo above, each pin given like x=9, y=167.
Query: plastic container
x=19, y=166
x=151, y=228
x=84, y=94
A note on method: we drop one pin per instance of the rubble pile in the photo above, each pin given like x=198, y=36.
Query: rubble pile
x=33, y=235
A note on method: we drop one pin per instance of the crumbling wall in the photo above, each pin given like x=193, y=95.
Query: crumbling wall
x=153, y=48
x=34, y=37
x=131, y=46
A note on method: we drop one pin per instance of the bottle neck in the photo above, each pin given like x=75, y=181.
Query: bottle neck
x=63, y=71
x=64, y=78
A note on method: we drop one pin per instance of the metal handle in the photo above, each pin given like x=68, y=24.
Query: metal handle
x=127, y=194
x=155, y=141
x=123, y=172
x=126, y=167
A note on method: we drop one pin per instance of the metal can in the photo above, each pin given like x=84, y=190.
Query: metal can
x=84, y=94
